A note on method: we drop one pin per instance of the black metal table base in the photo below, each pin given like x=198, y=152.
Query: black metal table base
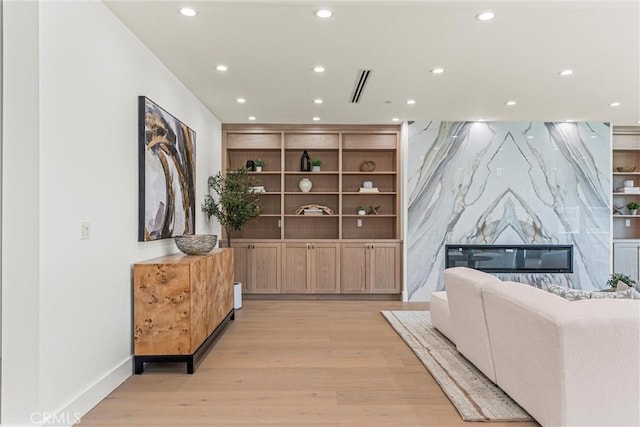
x=190, y=359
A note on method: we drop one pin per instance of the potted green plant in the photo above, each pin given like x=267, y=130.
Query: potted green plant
x=259, y=164
x=235, y=203
x=315, y=163
x=633, y=207
x=619, y=277
x=362, y=210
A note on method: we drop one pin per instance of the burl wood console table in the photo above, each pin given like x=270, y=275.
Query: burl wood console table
x=182, y=303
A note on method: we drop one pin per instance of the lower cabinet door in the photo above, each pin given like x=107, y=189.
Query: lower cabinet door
x=625, y=258
x=241, y=264
x=384, y=277
x=295, y=268
x=353, y=268
x=265, y=265
x=325, y=268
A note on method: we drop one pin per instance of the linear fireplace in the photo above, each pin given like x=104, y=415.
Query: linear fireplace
x=511, y=258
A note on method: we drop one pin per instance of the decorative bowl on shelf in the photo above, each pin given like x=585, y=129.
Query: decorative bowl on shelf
x=626, y=168
x=196, y=244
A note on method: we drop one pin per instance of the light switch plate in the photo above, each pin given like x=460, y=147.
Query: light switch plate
x=85, y=230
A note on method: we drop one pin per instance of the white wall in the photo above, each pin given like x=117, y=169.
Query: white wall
x=91, y=71
x=20, y=212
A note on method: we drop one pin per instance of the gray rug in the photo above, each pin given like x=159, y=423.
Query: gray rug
x=475, y=397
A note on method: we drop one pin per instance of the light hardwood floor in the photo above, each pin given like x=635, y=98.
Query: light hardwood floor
x=291, y=363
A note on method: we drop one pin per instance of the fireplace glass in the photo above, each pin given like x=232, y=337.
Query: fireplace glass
x=511, y=258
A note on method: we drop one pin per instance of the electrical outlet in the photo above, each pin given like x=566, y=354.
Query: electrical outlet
x=85, y=230
x=627, y=222
x=359, y=222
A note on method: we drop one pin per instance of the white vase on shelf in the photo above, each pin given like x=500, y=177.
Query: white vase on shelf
x=305, y=185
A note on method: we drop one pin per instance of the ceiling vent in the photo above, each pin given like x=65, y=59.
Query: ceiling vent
x=358, y=88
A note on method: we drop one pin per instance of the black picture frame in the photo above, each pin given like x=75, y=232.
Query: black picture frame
x=166, y=174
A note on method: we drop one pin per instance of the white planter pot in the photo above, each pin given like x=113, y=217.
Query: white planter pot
x=258, y=168
x=315, y=169
x=305, y=185
x=633, y=211
x=361, y=212
x=237, y=295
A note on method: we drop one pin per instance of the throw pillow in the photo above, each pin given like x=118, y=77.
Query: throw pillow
x=621, y=286
x=568, y=293
x=628, y=294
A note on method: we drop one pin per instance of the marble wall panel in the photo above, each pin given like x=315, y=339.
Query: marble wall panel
x=508, y=183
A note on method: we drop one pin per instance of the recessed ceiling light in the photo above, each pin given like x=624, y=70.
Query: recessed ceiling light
x=187, y=11
x=395, y=119
x=481, y=120
x=317, y=101
x=566, y=72
x=530, y=137
x=437, y=70
x=241, y=100
x=593, y=136
x=411, y=101
x=252, y=118
x=318, y=69
x=615, y=104
x=222, y=67
x=324, y=13
x=485, y=16
x=315, y=119
x=510, y=103
x=569, y=121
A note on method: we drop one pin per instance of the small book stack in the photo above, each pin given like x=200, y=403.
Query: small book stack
x=628, y=190
x=369, y=190
x=312, y=211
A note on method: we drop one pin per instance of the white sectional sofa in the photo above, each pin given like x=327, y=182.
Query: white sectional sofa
x=567, y=363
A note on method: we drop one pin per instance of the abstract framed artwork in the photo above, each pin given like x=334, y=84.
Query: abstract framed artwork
x=166, y=174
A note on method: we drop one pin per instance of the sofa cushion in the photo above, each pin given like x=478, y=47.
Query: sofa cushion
x=464, y=292
x=628, y=294
x=568, y=293
x=440, y=314
x=578, y=294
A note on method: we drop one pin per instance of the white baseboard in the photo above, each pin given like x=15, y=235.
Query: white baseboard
x=85, y=401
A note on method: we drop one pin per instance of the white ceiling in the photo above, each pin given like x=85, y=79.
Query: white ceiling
x=270, y=48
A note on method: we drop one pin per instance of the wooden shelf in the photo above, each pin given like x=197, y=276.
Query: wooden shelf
x=310, y=216
x=301, y=193
x=369, y=193
x=626, y=152
x=367, y=216
x=371, y=173
x=283, y=252
x=312, y=173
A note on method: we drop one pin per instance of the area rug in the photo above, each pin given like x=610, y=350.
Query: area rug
x=475, y=397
